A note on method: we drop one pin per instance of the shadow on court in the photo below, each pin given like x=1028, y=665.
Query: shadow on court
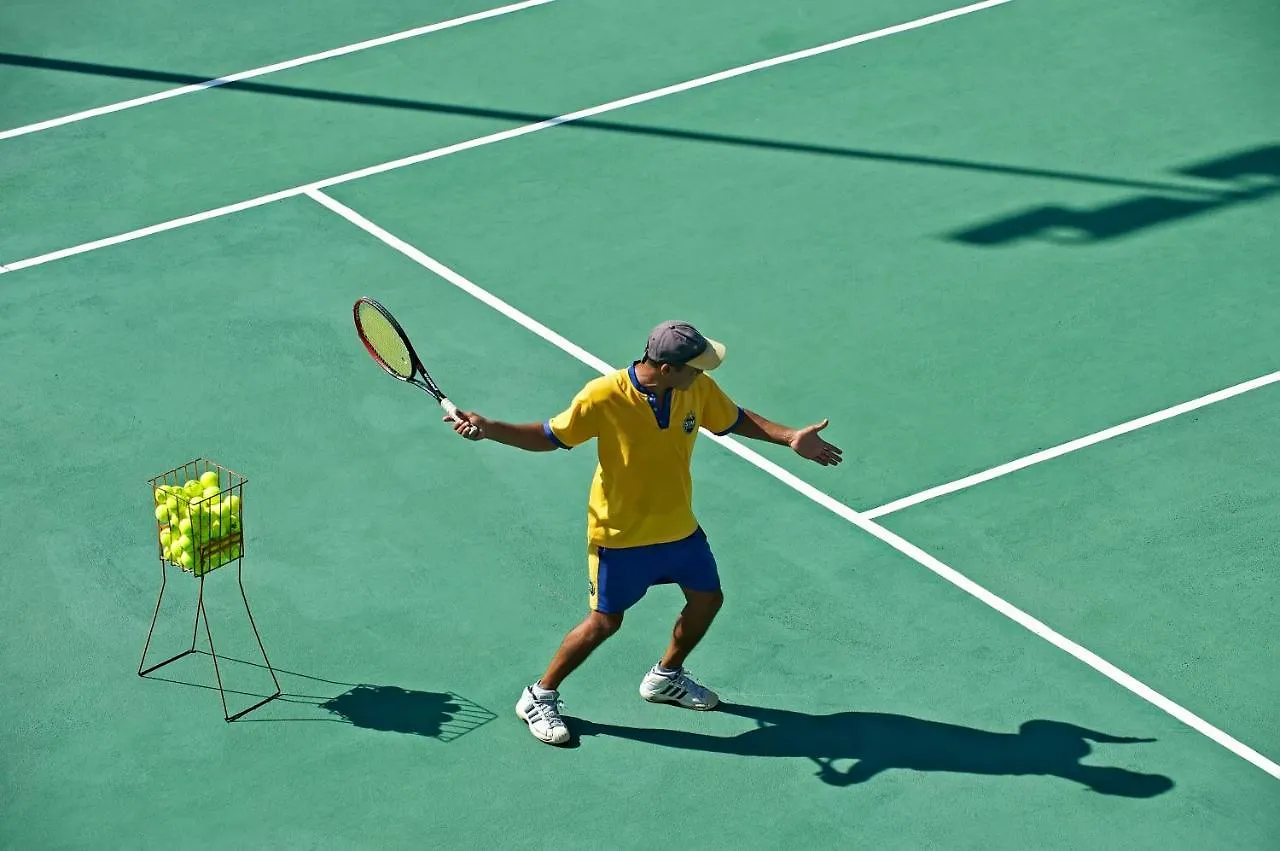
x=878, y=742
x=1246, y=177
x=444, y=716
x=122, y=72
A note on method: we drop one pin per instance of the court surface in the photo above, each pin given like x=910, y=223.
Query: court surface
x=1021, y=254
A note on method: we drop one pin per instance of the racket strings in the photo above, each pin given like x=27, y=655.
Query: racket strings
x=385, y=341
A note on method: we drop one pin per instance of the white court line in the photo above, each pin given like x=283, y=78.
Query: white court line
x=898, y=543
x=504, y=135
x=268, y=69
x=154, y=229
x=1070, y=446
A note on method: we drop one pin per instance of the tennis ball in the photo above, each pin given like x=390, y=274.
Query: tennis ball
x=162, y=512
x=166, y=536
x=192, y=487
x=185, y=559
x=209, y=478
x=171, y=503
x=184, y=543
x=160, y=496
x=208, y=492
x=184, y=525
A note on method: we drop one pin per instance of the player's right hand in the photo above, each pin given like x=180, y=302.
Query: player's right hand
x=467, y=424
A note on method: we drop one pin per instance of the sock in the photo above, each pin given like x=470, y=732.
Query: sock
x=665, y=672
x=542, y=693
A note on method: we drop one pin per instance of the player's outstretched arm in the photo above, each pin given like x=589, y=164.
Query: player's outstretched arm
x=527, y=436
x=806, y=442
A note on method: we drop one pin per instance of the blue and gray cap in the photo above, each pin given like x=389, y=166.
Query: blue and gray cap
x=680, y=343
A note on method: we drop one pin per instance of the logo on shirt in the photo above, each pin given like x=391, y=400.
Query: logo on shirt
x=690, y=423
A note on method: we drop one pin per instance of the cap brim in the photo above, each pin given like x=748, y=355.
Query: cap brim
x=709, y=359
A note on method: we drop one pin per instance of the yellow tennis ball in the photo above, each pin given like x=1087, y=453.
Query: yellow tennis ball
x=160, y=496
x=184, y=525
x=162, y=513
x=192, y=487
x=208, y=492
x=185, y=559
x=171, y=503
x=184, y=543
x=166, y=536
x=209, y=478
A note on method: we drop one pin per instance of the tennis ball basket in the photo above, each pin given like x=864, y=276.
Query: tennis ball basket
x=199, y=528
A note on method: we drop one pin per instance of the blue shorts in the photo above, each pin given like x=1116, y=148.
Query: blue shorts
x=620, y=577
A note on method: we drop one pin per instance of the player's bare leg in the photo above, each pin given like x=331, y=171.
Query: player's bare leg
x=667, y=681
x=581, y=641
x=692, y=624
x=539, y=704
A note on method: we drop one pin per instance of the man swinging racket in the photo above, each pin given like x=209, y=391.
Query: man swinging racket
x=641, y=530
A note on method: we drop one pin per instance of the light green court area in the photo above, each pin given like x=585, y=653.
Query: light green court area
x=382, y=552
x=195, y=153
x=1156, y=551
x=836, y=279
x=866, y=230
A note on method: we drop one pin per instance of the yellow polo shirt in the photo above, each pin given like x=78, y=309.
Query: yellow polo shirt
x=642, y=492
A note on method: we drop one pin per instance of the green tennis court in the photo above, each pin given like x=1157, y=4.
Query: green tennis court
x=1021, y=254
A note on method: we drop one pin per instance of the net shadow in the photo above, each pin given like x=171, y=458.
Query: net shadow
x=523, y=117
x=1246, y=177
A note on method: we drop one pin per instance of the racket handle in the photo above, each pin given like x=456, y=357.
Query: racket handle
x=452, y=410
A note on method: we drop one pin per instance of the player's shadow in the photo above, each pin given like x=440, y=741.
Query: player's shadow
x=393, y=709
x=1246, y=177
x=879, y=742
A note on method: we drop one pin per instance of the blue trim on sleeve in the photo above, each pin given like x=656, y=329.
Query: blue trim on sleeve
x=736, y=423
x=546, y=429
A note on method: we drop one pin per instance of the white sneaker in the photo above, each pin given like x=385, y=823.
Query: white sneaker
x=542, y=716
x=679, y=689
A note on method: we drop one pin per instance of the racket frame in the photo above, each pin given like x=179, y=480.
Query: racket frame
x=419, y=377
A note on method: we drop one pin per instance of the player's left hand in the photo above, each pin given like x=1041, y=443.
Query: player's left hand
x=807, y=443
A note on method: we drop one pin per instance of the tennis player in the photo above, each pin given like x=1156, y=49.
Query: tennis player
x=641, y=530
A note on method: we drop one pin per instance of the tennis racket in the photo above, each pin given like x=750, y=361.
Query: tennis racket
x=389, y=346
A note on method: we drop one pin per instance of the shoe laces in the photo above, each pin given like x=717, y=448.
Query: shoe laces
x=548, y=709
x=688, y=684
